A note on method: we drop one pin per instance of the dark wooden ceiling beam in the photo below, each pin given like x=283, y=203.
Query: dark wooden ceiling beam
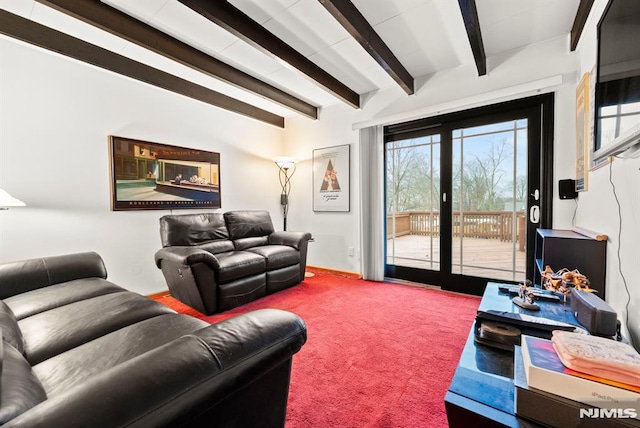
x=118, y=23
x=47, y=38
x=356, y=24
x=578, y=24
x=472, y=25
x=224, y=14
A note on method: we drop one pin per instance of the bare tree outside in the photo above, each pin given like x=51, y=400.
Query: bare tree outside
x=484, y=185
x=410, y=185
x=521, y=187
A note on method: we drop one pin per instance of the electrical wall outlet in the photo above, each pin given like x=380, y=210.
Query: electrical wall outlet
x=350, y=251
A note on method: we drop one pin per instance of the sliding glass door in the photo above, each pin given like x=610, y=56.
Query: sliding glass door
x=413, y=202
x=489, y=198
x=465, y=192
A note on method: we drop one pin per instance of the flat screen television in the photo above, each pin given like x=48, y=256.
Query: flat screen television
x=147, y=176
x=617, y=98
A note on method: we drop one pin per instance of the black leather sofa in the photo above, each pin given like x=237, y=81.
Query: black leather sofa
x=214, y=262
x=80, y=351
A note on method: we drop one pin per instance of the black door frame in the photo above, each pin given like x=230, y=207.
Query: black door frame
x=539, y=111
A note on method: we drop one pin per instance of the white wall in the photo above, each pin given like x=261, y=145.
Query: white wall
x=598, y=209
x=55, y=116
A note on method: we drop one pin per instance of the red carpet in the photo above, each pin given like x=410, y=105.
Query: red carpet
x=377, y=355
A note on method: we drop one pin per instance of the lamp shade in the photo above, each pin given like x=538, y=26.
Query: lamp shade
x=6, y=200
x=284, y=162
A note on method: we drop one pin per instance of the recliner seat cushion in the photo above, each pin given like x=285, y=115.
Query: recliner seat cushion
x=20, y=389
x=41, y=300
x=277, y=256
x=52, y=332
x=217, y=247
x=76, y=365
x=246, y=243
x=239, y=264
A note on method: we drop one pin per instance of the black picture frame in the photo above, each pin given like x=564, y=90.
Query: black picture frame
x=331, y=179
x=154, y=176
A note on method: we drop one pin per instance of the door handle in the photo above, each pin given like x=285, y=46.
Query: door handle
x=536, y=194
x=534, y=214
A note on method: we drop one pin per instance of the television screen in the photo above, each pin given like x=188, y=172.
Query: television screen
x=618, y=84
x=148, y=175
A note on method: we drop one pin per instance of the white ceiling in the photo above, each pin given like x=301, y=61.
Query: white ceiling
x=427, y=36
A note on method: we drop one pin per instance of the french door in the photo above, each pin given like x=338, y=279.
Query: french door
x=465, y=193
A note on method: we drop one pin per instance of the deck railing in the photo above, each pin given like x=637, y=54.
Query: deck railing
x=479, y=224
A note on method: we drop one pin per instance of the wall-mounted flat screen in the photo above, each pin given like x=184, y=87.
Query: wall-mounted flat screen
x=618, y=82
x=147, y=175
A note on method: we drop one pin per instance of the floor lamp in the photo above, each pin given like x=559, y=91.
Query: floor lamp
x=287, y=168
x=7, y=201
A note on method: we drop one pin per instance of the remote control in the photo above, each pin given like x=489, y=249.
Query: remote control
x=540, y=294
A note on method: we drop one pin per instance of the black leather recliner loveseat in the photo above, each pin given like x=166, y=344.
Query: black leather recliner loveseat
x=214, y=262
x=80, y=351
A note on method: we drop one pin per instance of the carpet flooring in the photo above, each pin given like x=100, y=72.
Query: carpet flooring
x=377, y=354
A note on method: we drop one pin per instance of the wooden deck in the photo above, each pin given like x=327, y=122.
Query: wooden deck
x=487, y=258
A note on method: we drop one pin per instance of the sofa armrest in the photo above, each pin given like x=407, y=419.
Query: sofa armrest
x=208, y=378
x=25, y=275
x=292, y=239
x=191, y=275
x=186, y=255
x=271, y=334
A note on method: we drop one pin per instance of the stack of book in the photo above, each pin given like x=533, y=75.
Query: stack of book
x=548, y=392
